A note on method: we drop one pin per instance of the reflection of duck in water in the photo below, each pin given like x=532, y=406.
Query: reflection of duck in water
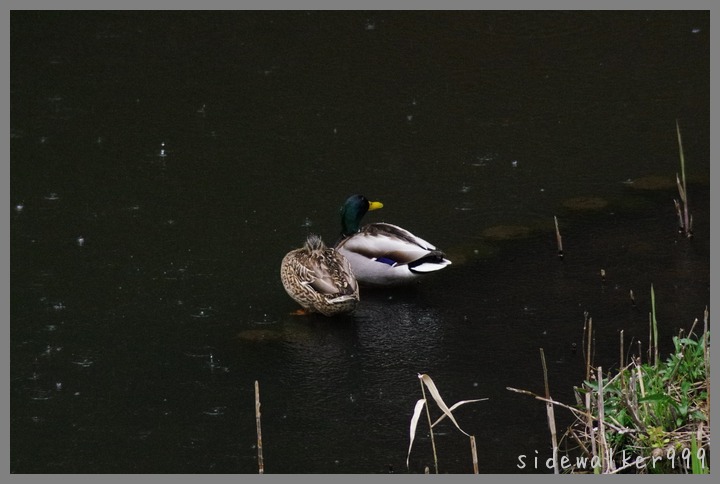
x=383, y=254
x=319, y=279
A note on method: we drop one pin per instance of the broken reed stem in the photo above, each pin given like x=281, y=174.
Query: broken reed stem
x=473, y=449
x=550, y=414
x=642, y=388
x=573, y=410
x=589, y=348
x=261, y=463
x=430, y=425
x=605, y=460
x=654, y=325
x=706, y=352
x=589, y=428
x=686, y=222
x=559, y=238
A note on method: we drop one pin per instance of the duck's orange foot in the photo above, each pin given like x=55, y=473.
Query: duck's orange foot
x=300, y=312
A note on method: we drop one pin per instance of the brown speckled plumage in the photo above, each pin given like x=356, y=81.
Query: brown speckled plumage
x=319, y=278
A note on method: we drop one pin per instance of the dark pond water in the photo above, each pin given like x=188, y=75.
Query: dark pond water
x=163, y=163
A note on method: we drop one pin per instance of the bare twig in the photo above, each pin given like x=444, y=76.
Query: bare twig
x=261, y=463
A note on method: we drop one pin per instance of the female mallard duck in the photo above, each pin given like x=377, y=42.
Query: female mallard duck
x=383, y=254
x=319, y=278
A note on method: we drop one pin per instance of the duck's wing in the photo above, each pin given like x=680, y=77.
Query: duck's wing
x=329, y=273
x=390, y=244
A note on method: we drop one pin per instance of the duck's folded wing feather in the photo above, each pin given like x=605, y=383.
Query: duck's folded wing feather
x=330, y=275
x=389, y=243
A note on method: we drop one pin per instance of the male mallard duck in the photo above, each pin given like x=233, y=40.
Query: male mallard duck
x=383, y=254
x=319, y=278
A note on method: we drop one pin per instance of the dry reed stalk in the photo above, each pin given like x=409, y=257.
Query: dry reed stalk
x=685, y=217
x=706, y=352
x=573, y=410
x=622, y=358
x=632, y=403
x=577, y=440
x=642, y=389
x=589, y=348
x=473, y=449
x=430, y=424
x=654, y=325
x=550, y=414
x=261, y=463
x=426, y=381
x=606, y=460
x=559, y=239
x=589, y=428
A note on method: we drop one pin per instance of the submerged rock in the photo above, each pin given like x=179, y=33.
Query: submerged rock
x=505, y=232
x=654, y=182
x=585, y=203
